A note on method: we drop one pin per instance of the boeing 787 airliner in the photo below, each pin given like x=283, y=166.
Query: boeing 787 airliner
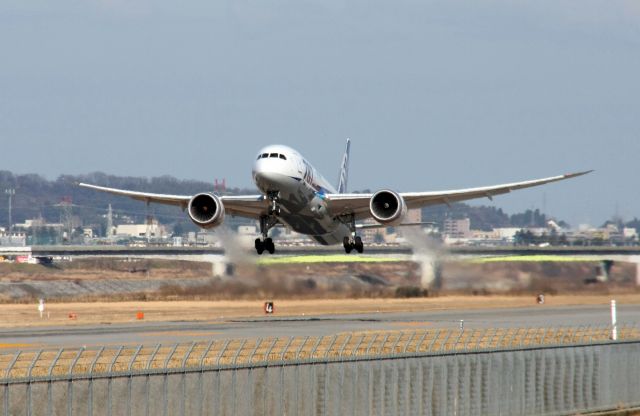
x=295, y=195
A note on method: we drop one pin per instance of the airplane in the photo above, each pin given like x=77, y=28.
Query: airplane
x=295, y=195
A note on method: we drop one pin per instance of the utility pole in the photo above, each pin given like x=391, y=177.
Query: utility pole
x=11, y=192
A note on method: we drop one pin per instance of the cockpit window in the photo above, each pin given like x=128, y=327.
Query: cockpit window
x=265, y=155
x=259, y=157
x=283, y=157
x=273, y=155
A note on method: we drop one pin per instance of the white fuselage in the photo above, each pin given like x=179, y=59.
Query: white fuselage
x=301, y=189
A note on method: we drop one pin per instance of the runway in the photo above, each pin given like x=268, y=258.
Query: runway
x=149, y=333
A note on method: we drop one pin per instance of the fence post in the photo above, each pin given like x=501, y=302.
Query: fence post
x=614, y=321
x=53, y=363
x=75, y=360
x=115, y=358
x=406, y=345
x=299, y=350
x=188, y=353
x=433, y=341
x=206, y=351
x=286, y=347
x=371, y=344
x=253, y=352
x=419, y=344
x=239, y=350
x=355, y=350
x=153, y=356
x=444, y=344
x=169, y=356
x=33, y=363
x=344, y=345
x=95, y=360
x=273, y=345
x=221, y=353
x=333, y=341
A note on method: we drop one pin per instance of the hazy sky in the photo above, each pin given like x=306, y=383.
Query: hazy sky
x=434, y=94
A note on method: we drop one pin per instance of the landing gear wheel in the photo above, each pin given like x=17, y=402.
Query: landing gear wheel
x=346, y=242
x=269, y=246
x=260, y=246
x=358, y=245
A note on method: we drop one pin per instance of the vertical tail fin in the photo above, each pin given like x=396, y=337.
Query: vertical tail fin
x=344, y=169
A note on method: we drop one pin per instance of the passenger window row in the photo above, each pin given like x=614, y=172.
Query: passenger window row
x=276, y=155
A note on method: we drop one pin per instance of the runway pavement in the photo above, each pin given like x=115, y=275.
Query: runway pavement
x=273, y=326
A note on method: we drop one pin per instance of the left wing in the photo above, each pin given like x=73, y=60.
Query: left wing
x=358, y=204
x=249, y=206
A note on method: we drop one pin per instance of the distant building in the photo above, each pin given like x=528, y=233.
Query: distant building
x=36, y=223
x=457, y=228
x=207, y=238
x=414, y=215
x=15, y=239
x=248, y=230
x=507, y=234
x=387, y=234
x=140, y=230
x=630, y=233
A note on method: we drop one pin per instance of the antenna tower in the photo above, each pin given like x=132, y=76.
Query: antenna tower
x=66, y=215
x=11, y=192
x=220, y=186
x=109, y=223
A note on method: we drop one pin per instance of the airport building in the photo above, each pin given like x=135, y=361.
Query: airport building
x=456, y=229
x=154, y=230
x=14, y=239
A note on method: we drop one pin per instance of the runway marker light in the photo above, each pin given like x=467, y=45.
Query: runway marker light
x=73, y=315
x=614, y=323
x=140, y=315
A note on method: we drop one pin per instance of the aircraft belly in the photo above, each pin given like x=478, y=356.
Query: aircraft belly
x=305, y=223
x=334, y=237
x=304, y=211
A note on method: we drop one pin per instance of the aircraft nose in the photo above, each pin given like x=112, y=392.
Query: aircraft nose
x=264, y=179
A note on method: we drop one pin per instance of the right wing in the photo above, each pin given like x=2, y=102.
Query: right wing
x=358, y=204
x=249, y=206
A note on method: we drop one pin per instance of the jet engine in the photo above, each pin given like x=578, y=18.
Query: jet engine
x=387, y=207
x=206, y=210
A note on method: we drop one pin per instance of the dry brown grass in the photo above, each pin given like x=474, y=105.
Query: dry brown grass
x=22, y=315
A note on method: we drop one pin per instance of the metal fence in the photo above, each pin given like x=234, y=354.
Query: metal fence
x=433, y=372
x=29, y=365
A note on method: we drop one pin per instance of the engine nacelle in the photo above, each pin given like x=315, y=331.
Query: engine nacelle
x=206, y=210
x=387, y=207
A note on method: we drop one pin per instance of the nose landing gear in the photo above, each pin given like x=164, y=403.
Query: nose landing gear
x=266, y=223
x=274, y=207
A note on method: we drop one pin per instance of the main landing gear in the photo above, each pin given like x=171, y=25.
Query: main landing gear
x=266, y=223
x=355, y=242
x=267, y=245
